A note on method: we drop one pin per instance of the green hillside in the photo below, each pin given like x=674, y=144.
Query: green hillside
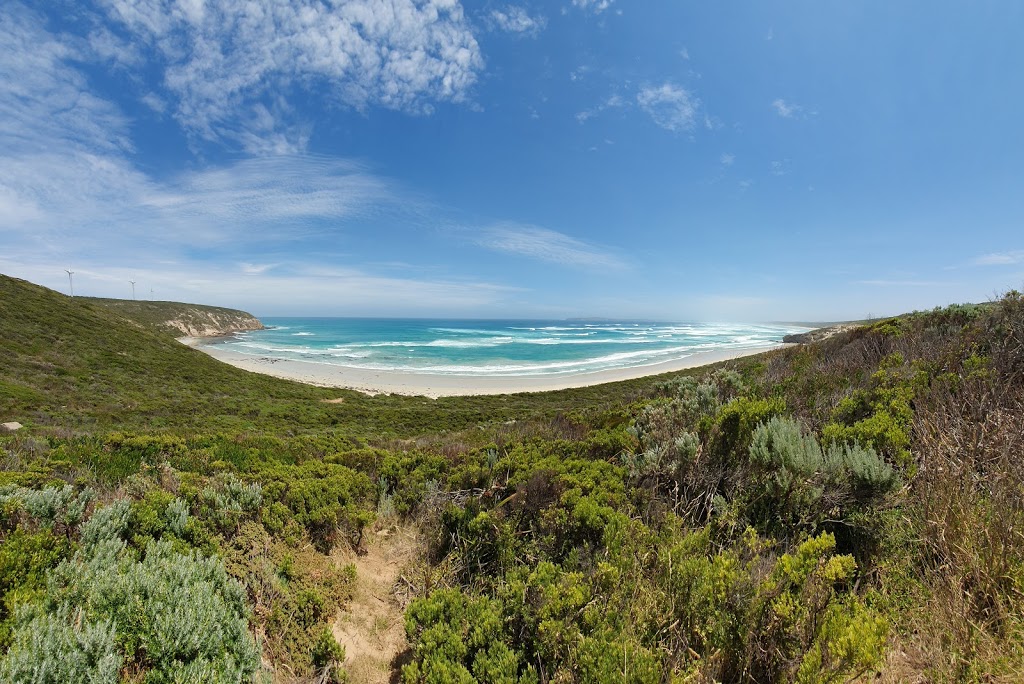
x=79, y=363
x=73, y=362
x=180, y=319
x=847, y=510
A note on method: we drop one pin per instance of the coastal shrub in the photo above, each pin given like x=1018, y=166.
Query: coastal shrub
x=120, y=455
x=329, y=501
x=730, y=383
x=176, y=617
x=148, y=520
x=889, y=327
x=63, y=507
x=57, y=649
x=108, y=523
x=883, y=418
x=478, y=540
x=407, y=475
x=459, y=638
x=797, y=484
x=780, y=444
x=865, y=469
x=25, y=558
x=328, y=657
x=299, y=592
x=804, y=626
x=176, y=516
x=228, y=500
x=735, y=423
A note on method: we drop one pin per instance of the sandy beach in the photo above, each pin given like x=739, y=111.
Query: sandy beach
x=434, y=386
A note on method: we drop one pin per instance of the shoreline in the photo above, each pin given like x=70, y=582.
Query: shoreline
x=373, y=382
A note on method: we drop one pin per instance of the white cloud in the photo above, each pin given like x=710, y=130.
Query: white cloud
x=727, y=159
x=900, y=283
x=613, y=102
x=108, y=47
x=546, y=245
x=595, y=6
x=219, y=59
x=672, y=107
x=64, y=169
x=786, y=110
x=256, y=269
x=580, y=72
x=240, y=198
x=306, y=290
x=154, y=102
x=42, y=101
x=999, y=258
x=515, y=19
x=70, y=196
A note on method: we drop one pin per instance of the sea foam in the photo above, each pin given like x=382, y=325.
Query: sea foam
x=498, y=348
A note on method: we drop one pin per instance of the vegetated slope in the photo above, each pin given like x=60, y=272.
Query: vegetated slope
x=194, y=320
x=73, y=362
x=76, y=363
x=821, y=513
x=834, y=511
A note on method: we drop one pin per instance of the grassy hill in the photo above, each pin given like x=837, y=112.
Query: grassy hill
x=195, y=320
x=80, y=363
x=846, y=510
x=75, y=362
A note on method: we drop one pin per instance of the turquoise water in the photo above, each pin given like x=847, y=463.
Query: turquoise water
x=494, y=348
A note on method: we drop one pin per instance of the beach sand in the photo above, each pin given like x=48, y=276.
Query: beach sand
x=421, y=384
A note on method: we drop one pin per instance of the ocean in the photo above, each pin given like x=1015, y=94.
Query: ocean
x=494, y=347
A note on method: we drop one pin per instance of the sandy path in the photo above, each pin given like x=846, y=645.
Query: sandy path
x=372, y=628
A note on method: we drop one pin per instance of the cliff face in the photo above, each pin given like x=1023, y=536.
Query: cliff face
x=193, y=320
x=211, y=324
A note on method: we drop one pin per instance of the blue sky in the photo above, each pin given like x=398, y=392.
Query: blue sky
x=812, y=160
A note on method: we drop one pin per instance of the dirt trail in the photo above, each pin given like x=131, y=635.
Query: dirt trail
x=371, y=628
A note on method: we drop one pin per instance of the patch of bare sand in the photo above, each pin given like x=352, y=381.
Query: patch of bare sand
x=372, y=627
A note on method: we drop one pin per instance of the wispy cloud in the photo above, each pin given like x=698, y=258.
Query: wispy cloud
x=595, y=6
x=580, y=72
x=223, y=59
x=43, y=102
x=1007, y=258
x=613, y=102
x=514, y=19
x=256, y=269
x=66, y=200
x=672, y=107
x=70, y=196
x=305, y=289
x=546, y=245
x=779, y=167
x=787, y=110
x=727, y=159
x=900, y=283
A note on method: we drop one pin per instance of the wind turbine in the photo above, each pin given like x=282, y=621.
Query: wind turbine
x=71, y=283
x=133, y=289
